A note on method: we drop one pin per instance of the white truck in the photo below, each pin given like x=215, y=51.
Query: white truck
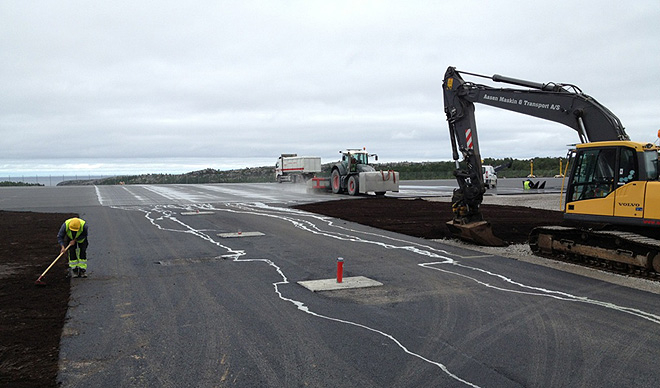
x=294, y=168
x=490, y=176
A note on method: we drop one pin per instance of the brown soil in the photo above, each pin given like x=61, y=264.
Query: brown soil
x=32, y=317
x=427, y=219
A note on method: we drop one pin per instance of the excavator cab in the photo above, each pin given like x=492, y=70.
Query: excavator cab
x=611, y=182
x=594, y=173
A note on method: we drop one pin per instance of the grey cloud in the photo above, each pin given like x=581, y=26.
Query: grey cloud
x=221, y=79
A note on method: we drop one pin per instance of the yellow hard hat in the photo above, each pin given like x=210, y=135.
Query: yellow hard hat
x=74, y=224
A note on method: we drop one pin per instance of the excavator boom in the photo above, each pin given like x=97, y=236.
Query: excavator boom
x=561, y=103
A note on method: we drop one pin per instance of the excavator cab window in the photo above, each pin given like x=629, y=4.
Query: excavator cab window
x=594, y=174
x=627, y=166
x=597, y=170
x=650, y=165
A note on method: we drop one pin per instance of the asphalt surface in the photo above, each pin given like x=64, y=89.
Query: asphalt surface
x=169, y=303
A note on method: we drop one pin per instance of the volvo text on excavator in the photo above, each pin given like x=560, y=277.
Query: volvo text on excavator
x=612, y=202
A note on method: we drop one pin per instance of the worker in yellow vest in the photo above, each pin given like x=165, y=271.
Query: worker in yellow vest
x=73, y=234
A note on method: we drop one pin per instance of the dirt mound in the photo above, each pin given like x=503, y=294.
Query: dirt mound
x=427, y=219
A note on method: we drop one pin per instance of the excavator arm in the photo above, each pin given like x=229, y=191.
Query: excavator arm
x=562, y=103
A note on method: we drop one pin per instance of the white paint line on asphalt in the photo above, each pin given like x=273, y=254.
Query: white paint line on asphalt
x=98, y=195
x=346, y=234
x=352, y=235
x=240, y=193
x=542, y=292
x=176, y=194
x=444, y=260
x=236, y=256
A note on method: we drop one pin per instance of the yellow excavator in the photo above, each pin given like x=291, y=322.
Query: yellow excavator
x=612, y=198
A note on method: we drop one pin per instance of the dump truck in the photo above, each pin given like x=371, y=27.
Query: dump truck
x=354, y=175
x=294, y=168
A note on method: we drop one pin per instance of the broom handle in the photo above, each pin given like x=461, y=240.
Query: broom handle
x=54, y=261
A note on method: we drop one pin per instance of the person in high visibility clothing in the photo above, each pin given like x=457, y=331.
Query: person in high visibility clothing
x=73, y=234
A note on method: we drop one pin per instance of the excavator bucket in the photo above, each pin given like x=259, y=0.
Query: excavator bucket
x=479, y=232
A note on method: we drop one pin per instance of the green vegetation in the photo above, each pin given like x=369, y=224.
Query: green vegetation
x=10, y=183
x=543, y=167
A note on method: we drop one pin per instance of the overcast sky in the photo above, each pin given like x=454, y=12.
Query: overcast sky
x=175, y=86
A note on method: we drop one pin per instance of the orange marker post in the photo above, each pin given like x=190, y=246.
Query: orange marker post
x=340, y=269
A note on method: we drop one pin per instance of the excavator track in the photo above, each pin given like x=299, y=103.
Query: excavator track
x=611, y=250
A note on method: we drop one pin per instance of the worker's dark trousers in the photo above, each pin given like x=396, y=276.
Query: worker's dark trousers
x=78, y=255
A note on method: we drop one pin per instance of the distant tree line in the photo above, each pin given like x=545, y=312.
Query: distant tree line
x=209, y=175
x=10, y=183
x=543, y=167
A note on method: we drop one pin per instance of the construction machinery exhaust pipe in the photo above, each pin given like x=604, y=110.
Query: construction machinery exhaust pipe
x=479, y=232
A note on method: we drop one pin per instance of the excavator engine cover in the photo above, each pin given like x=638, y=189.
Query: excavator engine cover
x=479, y=232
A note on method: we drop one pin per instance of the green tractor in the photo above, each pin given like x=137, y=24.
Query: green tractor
x=353, y=175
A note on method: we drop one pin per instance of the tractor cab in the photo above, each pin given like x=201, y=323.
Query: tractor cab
x=357, y=160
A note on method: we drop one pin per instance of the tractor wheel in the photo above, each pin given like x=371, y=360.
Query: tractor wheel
x=335, y=182
x=353, y=185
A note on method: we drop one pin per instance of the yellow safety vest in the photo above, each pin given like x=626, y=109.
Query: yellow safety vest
x=69, y=232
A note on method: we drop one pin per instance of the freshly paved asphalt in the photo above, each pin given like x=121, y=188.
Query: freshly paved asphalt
x=169, y=303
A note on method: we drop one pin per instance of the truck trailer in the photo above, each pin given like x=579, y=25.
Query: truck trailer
x=294, y=168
